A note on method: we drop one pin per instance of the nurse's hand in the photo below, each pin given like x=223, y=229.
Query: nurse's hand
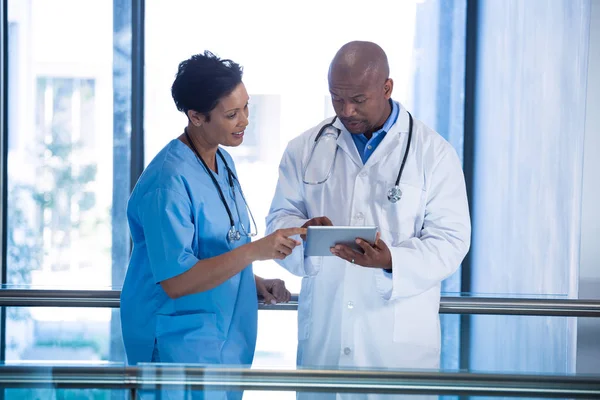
x=374, y=255
x=317, y=221
x=278, y=245
x=272, y=291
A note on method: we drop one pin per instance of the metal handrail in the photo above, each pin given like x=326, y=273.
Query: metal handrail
x=341, y=381
x=448, y=304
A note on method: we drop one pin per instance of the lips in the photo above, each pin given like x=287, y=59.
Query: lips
x=238, y=134
x=352, y=124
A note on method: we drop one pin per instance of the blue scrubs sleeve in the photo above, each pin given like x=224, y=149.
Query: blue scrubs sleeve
x=168, y=226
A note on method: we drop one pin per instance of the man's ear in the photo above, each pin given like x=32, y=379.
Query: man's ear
x=388, y=88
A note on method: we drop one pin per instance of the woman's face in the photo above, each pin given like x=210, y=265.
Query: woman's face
x=227, y=120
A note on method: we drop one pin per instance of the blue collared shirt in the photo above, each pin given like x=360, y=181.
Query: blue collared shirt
x=365, y=146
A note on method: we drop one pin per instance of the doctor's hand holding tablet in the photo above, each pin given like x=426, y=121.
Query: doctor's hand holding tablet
x=360, y=245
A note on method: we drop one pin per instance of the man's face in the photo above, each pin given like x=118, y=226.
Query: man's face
x=362, y=102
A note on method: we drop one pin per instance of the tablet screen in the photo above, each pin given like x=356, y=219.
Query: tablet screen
x=320, y=239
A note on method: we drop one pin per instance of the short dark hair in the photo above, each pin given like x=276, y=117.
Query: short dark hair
x=202, y=80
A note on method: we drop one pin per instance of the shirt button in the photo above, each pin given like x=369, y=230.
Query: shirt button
x=347, y=351
x=369, y=147
x=359, y=215
x=363, y=174
x=350, y=305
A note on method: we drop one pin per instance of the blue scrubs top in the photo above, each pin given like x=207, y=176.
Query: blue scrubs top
x=176, y=218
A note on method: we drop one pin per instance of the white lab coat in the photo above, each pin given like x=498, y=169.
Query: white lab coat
x=351, y=316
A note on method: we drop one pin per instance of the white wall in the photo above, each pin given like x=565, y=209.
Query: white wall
x=590, y=223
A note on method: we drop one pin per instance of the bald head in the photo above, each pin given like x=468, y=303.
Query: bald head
x=360, y=87
x=360, y=61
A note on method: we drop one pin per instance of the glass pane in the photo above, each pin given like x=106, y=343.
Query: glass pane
x=156, y=381
x=530, y=344
x=43, y=336
x=65, y=394
x=588, y=346
x=589, y=271
x=69, y=85
x=527, y=192
x=535, y=345
x=285, y=72
x=62, y=335
x=287, y=96
x=277, y=339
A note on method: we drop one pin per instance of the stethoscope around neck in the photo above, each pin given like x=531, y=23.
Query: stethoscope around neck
x=233, y=234
x=327, y=137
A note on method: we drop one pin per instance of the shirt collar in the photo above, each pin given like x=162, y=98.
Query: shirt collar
x=392, y=118
x=390, y=121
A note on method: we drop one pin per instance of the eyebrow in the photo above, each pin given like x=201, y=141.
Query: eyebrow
x=237, y=109
x=353, y=96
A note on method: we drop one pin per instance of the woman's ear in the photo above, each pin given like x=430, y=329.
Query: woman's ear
x=196, y=118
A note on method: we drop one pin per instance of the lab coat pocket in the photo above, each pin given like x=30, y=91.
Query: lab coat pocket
x=417, y=321
x=401, y=220
x=189, y=338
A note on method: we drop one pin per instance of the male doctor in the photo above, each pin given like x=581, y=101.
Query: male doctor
x=377, y=308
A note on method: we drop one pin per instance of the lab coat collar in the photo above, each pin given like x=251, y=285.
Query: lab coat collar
x=345, y=142
x=387, y=145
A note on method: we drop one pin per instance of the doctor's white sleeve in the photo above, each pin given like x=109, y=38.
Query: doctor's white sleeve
x=288, y=209
x=420, y=263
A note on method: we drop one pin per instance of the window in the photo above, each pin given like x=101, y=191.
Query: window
x=69, y=128
x=63, y=190
x=528, y=173
x=262, y=135
x=285, y=62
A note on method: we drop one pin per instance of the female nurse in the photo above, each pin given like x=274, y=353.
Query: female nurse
x=190, y=295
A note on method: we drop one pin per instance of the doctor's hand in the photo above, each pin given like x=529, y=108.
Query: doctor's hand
x=278, y=245
x=374, y=255
x=272, y=291
x=317, y=221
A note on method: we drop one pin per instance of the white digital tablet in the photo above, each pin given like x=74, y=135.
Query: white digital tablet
x=320, y=239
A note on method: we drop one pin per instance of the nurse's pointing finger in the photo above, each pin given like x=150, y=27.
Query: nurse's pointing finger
x=292, y=231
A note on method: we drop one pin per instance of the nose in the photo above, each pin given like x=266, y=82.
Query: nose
x=244, y=120
x=348, y=110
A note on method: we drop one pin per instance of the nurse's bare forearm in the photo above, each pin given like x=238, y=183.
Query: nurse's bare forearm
x=209, y=273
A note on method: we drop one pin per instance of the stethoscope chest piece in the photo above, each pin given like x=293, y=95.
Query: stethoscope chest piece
x=233, y=234
x=394, y=194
